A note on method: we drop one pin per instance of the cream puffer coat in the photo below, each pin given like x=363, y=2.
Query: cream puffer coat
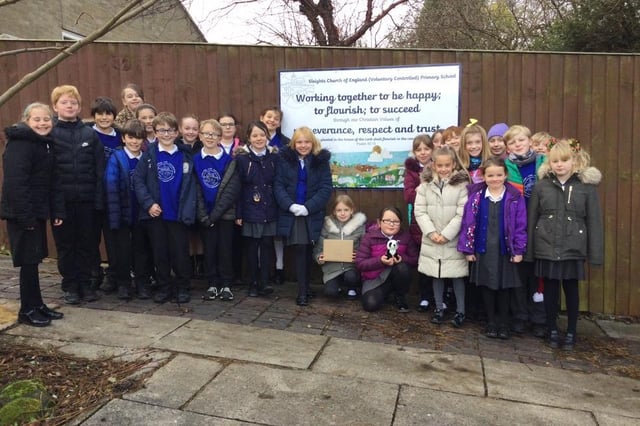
x=440, y=210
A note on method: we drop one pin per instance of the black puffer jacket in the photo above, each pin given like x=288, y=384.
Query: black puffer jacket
x=79, y=161
x=29, y=191
x=566, y=224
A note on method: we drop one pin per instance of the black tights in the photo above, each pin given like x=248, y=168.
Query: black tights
x=552, y=298
x=499, y=299
x=30, y=296
x=303, y=267
x=259, y=267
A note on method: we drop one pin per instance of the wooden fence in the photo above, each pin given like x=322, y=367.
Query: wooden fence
x=594, y=97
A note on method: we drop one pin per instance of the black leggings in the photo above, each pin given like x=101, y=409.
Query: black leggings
x=551, y=302
x=398, y=281
x=349, y=279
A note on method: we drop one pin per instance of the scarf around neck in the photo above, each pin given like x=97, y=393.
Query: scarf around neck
x=521, y=160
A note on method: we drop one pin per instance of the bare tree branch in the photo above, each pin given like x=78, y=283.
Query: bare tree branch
x=29, y=49
x=369, y=22
x=7, y=2
x=131, y=10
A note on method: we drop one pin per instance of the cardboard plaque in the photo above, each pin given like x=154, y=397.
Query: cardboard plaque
x=338, y=251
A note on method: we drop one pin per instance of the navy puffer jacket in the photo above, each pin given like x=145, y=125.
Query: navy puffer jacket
x=319, y=189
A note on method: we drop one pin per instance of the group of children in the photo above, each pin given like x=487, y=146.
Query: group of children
x=523, y=210
x=516, y=215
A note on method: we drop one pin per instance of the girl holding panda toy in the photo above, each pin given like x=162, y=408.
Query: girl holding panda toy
x=385, y=259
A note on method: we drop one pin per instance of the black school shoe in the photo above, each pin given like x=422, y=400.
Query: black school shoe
x=437, y=317
x=569, y=342
x=503, y=333
x=33, y=318
x=491, y=331
x=183, y=296
x=401, y=304
x=302, y=300
x=163, y=295
x=50, y=313
x=554, y=339
x=72, y=298
x=458, y=320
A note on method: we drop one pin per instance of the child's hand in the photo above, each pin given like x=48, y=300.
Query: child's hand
x=239, y=222
x=471, y=257
x=434, y=237
x=353, y=256
x=155, y=210
x=387, y=261
x=321, y=259
x=517, y=258
x=397, y=259
x=57, y=222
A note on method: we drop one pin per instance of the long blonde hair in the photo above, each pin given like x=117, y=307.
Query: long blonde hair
x=565, y=149
x=473, y=129
x=305, y=132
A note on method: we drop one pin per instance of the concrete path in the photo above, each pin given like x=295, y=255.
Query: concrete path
x=266, y=361
x=217, y=373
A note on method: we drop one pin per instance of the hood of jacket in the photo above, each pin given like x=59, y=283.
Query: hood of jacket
x=456, y=178
x=413, y=165
x=331, y=225
x=22, y=131
x=291, y=156
x=590, y=175
x=244, y=150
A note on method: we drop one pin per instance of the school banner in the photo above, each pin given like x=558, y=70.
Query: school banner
x=368, y=117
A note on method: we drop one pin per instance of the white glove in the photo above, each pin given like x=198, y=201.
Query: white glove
x=295, y=209
x=298, y=210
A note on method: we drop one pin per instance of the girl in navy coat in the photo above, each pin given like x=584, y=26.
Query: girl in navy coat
x=256, y=210
x=30, y=196
x=302, y=190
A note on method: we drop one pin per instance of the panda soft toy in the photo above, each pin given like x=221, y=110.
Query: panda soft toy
x=392, y=249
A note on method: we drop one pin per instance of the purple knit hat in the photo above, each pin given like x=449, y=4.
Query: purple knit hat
x=497, y=130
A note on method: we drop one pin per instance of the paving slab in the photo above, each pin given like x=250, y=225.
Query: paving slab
x=613, y=420
x=129, y=413
x=417, y=406
x=277, y=396
x=620, y=330
x=107, y=328
x=231, y=341
x=563, y=388
x=402, y=365
x=176, y=382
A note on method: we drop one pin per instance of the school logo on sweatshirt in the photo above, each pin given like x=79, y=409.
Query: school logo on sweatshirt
x=210, y=178
x=528, y=183
x=166, y=171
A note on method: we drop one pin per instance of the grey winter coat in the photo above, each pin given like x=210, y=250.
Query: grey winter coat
x=333, y=230
x=440, y=210
x=566, y=224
